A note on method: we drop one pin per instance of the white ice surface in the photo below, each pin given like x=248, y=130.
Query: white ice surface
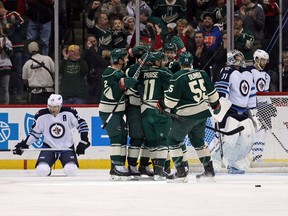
x=23, y=193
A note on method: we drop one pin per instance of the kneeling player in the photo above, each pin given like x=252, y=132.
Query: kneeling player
x=55, y=123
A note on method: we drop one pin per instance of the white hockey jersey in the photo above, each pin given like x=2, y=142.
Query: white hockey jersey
x=57, y=129
x=238, y=87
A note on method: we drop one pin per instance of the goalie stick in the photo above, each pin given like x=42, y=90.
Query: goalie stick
x=180, y=118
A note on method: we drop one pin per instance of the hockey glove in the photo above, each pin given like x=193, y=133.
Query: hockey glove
x=127, y=82
x=179, y=44
x=137, y=51
x=19, y=148
x=81, y=147
x=217, y=109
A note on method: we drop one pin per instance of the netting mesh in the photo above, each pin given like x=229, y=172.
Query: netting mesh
x=270, y=151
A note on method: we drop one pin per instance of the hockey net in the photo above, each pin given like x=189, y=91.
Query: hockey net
x=272, y=148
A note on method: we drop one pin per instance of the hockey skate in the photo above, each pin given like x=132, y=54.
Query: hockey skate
x=146, y=171
x=159, y=173
x=135, y=174
x=234, y=170
x=207, y=175
x=181, y=174
x=119, y=173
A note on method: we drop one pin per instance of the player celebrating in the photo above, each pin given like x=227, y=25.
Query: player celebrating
x=236, y=84
x=55, y=123
x=189, y=95
x=114, y=85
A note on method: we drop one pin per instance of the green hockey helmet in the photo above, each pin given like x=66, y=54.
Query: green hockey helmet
x=118, y=53
x=159, y=55
x=169, y=47
x=185, y=59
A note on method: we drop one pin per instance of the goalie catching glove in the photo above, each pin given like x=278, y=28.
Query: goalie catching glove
x=19, y=148
x=179, y=44
x=81, y=147
x=127, y=82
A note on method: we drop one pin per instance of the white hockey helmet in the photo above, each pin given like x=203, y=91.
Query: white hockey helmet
x=235, y=57
x=260, y=54
x=55, y=100
x=54, y=103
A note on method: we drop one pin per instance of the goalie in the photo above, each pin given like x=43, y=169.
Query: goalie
x=235, y=84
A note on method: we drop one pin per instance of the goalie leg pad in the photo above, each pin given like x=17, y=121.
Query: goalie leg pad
x=70, y=169
x=43, y=169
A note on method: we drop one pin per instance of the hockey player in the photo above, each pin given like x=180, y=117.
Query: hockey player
x=114, y=85
x=189, y=95
x=236, y=84
x=55, y=123
x=170, y=53
x=155, y=82
x=265, y=109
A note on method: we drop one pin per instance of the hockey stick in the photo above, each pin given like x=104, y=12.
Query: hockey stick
x=39, y=149
x=180, y=118
x=135, y=76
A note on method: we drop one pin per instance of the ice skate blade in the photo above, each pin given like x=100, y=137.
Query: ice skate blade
x=159, y=178
x=135, y=178
x=178, y=180
x=206, y=180
x=119, y=178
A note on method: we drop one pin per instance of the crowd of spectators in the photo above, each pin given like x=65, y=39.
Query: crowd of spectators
x=201, y=24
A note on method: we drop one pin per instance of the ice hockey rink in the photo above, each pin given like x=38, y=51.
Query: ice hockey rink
x=23, y=193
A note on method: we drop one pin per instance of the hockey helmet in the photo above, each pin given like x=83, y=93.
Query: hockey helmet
x=260, y=54
x=118, y=53
x=169, y=47
x=185, y=59
x=54, y=103
x=236, y=58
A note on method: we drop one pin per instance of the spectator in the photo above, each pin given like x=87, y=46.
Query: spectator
x=38, y=75
x=14, y=27
x=114, y=8
x=243, y=39
x=40, y=14
x=184, y=31
x=274, y=84
x=254, y=21
x=219, y=11
x=73, y=71
x=212, y=34
x=102, y=29
x=97, y=63
x=219, y=59
x=170, y=10
x=5, y=68
x=271, y=11
x=202, y=56
x=119, y=37
x=131, y=6
x=129, y=27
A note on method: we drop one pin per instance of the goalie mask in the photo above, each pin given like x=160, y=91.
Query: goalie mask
x=261, y=58
x=54, y=103
x=236, y=58
x=185, y=59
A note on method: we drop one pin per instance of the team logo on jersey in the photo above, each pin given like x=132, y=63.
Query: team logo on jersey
x=260, y=85
x=57, y=130
x=244, y=88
